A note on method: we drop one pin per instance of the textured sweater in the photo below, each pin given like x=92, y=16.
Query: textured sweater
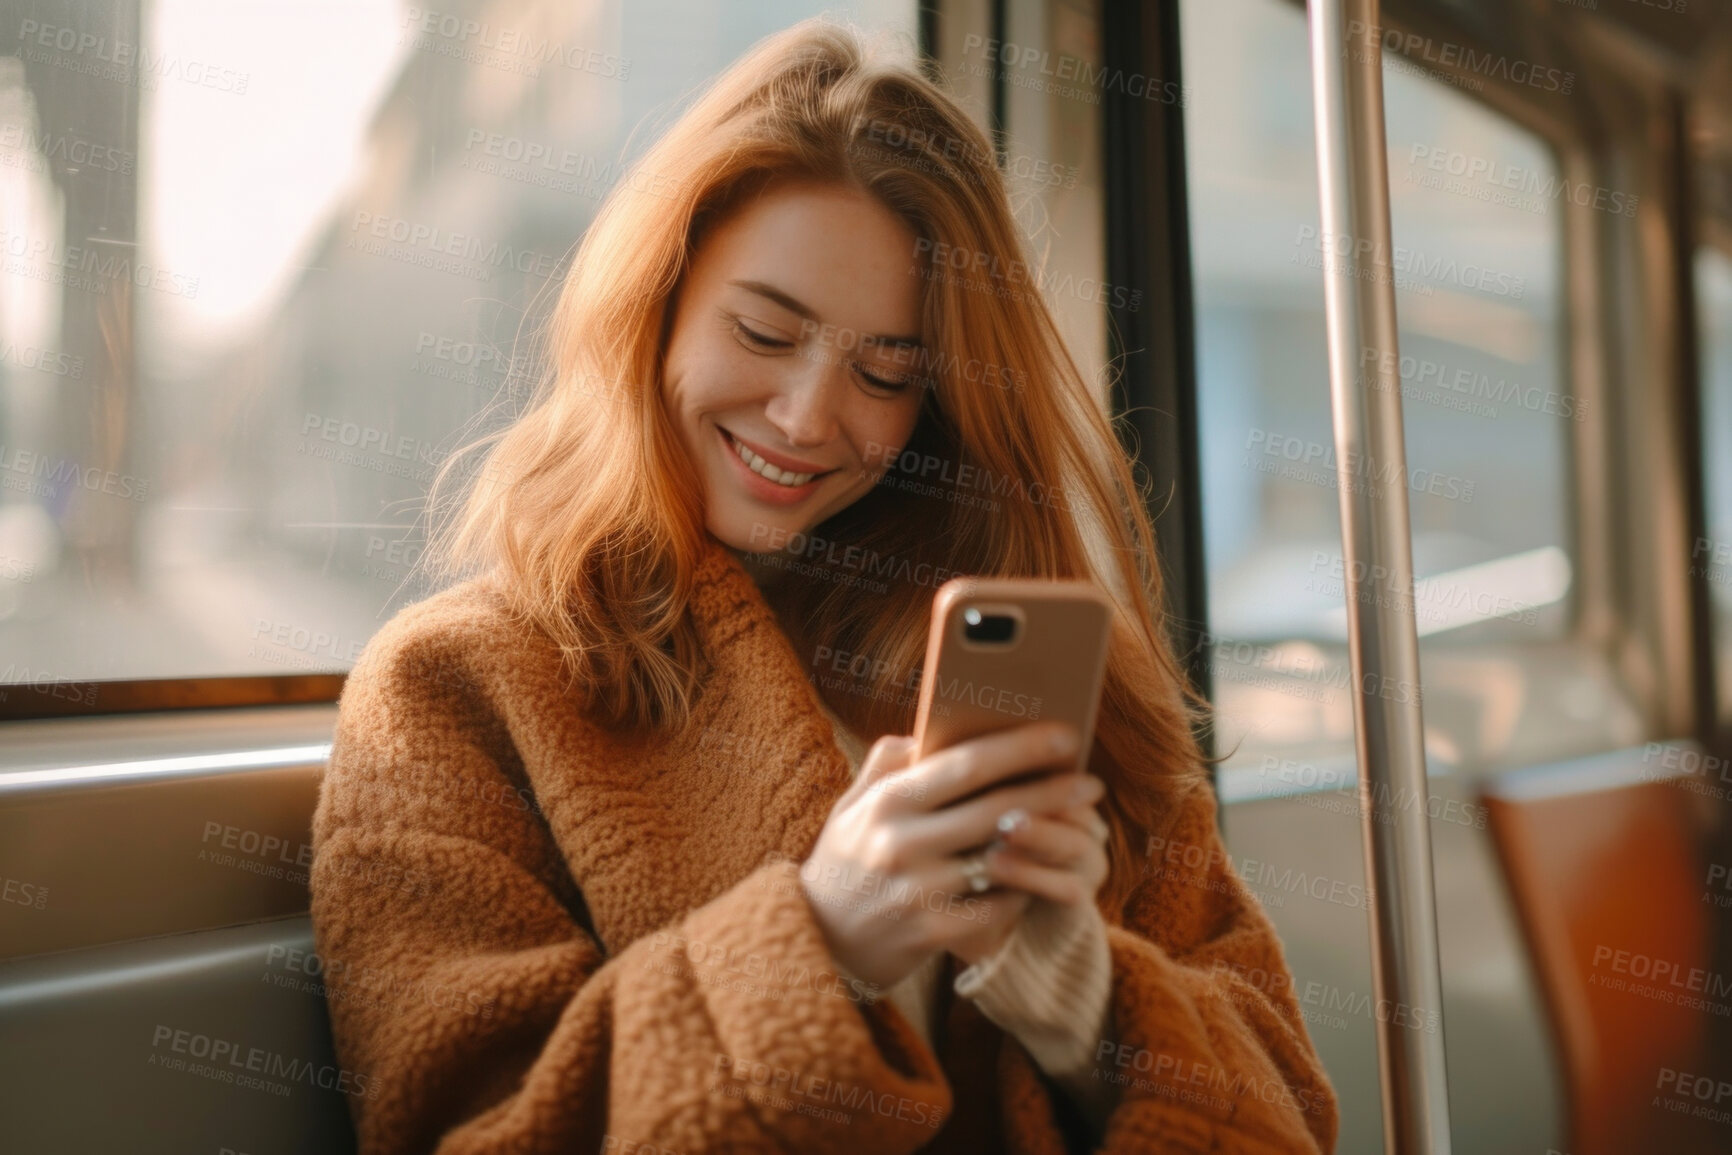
x=543, y=935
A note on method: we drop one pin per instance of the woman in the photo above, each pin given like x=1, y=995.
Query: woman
x=623, y=846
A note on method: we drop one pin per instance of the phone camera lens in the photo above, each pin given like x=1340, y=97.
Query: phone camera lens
x=992, y=628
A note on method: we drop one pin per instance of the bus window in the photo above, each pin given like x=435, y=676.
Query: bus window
x=258, y=304
x=1477, y=259
x=1477, y=236
x=1711, y=555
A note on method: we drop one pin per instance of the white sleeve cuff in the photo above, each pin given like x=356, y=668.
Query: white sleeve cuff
x=1050, y=985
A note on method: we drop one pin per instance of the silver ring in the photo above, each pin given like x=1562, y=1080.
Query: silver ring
x=974, y=869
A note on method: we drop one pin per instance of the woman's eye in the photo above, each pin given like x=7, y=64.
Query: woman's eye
x=894, y=384
x=761, y=340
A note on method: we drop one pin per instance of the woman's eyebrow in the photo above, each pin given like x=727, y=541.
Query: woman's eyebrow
x=801, y=309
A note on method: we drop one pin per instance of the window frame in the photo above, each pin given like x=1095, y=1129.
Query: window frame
x=1627, y=327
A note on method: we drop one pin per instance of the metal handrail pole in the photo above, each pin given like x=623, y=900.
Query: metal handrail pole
x=1371, y=473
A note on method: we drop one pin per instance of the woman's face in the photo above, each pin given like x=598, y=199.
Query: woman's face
x=791, y=370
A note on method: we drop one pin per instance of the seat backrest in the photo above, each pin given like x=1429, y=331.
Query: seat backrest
x=1603, y=857
x=212, y=1041
x=158, y=986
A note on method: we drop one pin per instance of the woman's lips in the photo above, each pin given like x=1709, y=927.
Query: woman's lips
x=761, y=487
x=786, y=462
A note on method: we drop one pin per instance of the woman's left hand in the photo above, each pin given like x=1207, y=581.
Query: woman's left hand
x=1060, y=856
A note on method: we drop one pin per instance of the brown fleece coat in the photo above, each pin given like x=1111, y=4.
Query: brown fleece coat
x=540, y=935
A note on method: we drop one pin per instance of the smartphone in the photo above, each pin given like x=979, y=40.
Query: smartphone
x=1004, y=652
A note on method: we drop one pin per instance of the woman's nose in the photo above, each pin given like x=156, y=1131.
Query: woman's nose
x=806, y=408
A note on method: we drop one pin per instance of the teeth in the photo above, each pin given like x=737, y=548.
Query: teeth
x=767, y=471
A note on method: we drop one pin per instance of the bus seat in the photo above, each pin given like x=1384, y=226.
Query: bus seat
x=158, y=986
x=1603, y=856
x=214, y=1041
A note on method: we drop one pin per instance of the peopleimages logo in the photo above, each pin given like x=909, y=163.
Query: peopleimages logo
x=999, y=699
x=88, y=268
x=1532, y=182
x=40, y=475
x=1462, y=389
x=123, y=61
x=425, y=244
x=472, y=37
x=979, y=270
x=1487, y=65
x=1170, y=1073
x=1070, y=76
x=227, y=1061
x=67, y=150
x=918, y=143
x=42, y=360
x=1362, y=255
x=778, y=1082
x=1299, y=459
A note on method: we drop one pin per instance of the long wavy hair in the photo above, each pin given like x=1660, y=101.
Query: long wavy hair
x=590, y=513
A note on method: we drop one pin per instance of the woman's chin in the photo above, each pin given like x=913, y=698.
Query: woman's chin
x=760, y=529
x=741, y=530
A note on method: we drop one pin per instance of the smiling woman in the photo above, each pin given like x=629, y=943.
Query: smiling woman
x=741, y=899
x=783, y=346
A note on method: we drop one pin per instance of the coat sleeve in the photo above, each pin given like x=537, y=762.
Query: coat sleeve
x=475, y=1011
x=1206, y=1043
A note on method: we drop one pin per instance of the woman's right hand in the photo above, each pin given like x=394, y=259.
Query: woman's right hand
x=885, y=879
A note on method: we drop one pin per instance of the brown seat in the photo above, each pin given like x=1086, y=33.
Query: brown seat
x=1604, y=861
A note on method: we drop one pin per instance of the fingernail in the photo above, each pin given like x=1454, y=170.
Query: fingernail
x=1013, y=820
x=1063, y=742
